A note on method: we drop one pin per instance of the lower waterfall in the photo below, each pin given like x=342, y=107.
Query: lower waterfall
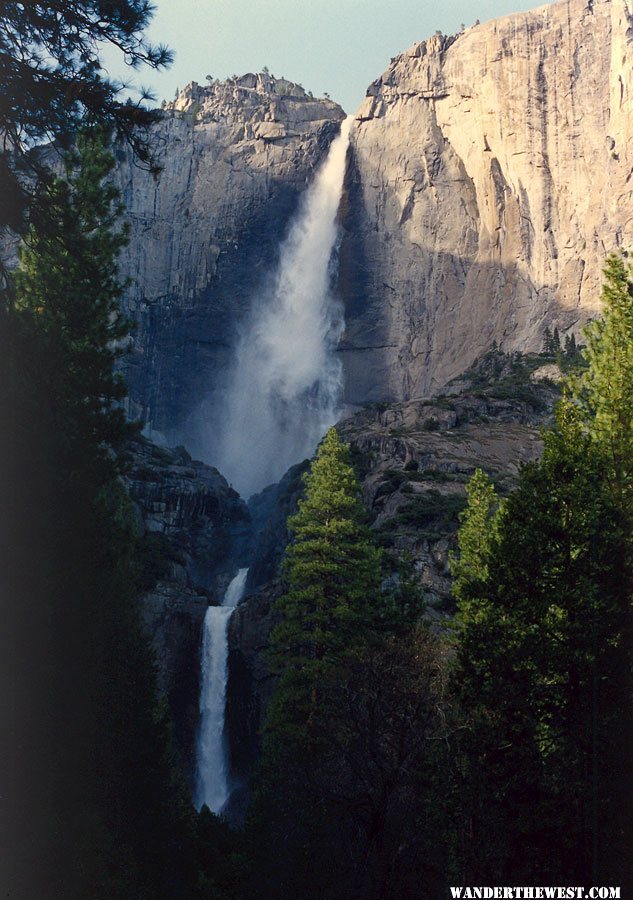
x=212, y=766
x=286, y=380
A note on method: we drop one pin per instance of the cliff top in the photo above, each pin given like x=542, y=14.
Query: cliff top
x=253, y=97
x=487, y=43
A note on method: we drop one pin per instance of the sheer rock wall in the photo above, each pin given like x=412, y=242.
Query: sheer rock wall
x=490, y=175
x=235, y=158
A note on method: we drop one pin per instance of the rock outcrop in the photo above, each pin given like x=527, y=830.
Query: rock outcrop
x=414, y=459
x=192, y=528
x=191, y=506
x=490, y=175
x=417, y=456
x=235, y=157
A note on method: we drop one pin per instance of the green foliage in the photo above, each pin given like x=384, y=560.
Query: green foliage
x=354, y=762
x=479, y=525
x=153, y=553
x=332, y=569
x=544, y=636
x=506, y=376
x=431, y=508
x=605, y=389
x=53, y=81
x=393, y=479
x=96, y=806
x=551, y=342
x=542, y=614
x=67, y=286
x=365, y=815
x=519, y=387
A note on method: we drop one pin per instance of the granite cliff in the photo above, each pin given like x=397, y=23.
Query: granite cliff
x=235, y=158
x=191, y=528
x=489, y=176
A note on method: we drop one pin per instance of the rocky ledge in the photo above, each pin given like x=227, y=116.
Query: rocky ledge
x=414, y=459
x=191, y=527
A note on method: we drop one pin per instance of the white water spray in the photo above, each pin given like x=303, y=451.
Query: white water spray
x=212, y=768
x=285, y=388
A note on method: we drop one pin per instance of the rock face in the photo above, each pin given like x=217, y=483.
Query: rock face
x=489, y=177
x=192, y=527
x=192, y=507
x=250, y=683
x=414, y=459
x=235, y=155
x=417, y=457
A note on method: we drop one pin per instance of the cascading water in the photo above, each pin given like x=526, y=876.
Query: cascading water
x=285, y=388
x=212, y=770
x=283, y=395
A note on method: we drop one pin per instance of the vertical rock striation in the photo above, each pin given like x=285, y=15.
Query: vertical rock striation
x=491, y=174
x=235, y=157
x=191, y=527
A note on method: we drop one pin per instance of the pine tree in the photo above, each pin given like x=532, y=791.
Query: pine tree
x=332, y=569
x=570, y=346
x=547, y=341
x=68, y=287
x=333, y=572
x=541, y=665
x=479, y=524
x=95, y=807
x=605, y=389
x=53, y=78
x=349, y=794
x=328, y=614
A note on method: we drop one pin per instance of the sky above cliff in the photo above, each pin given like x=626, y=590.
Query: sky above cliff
x=338, y=46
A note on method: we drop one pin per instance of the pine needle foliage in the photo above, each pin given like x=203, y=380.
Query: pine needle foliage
x=94, y=805
x=332, y=568
x=53, y=80
x=479, y=525
x=604, y=391
x=543, y=662
x=68, y=288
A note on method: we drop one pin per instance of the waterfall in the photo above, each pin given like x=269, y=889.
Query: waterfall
x=212, y=770
x=286, y=381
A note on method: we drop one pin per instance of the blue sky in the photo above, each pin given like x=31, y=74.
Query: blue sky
x=338, y=46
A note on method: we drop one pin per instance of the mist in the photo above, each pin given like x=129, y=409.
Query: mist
x=285, y=382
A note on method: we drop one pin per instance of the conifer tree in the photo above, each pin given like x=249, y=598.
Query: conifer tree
x=346, y=790
x=92, y=804
x=544, y=656
x=605, y=389
x=547, y=340
x=332, y=573
x=332, y=569
x=68, y=287
x=53, y=78
x=541, y=665
x=479, y=524
x=570, y=346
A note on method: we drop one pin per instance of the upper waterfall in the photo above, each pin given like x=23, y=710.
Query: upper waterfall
x=286, y=380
